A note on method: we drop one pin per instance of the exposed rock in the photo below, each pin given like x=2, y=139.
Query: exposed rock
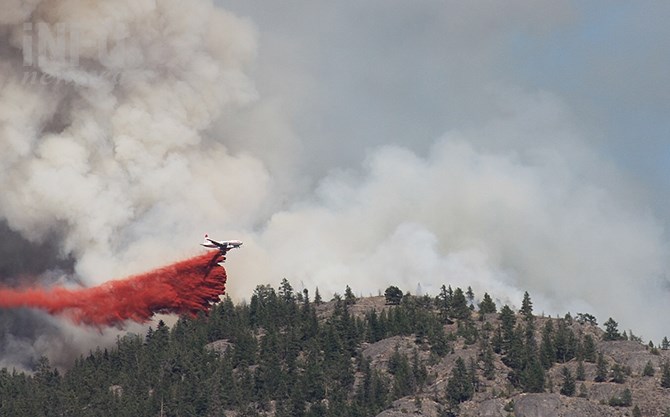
x=410, y=407
x=219, y=346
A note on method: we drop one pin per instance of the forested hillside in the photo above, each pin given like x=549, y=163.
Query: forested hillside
x=286, y=353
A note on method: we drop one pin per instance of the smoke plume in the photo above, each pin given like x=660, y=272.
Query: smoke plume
x=185, y=287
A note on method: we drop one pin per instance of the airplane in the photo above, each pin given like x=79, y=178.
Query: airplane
x=223, y=246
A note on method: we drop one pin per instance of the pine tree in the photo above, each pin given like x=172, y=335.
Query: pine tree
x=349, y=297
x=568, y=387
x=636, y=411
x=404, y=379
x=459, y=386
x=601, y=368
x=648, y=369
x=317, y=297
x=393, y=295
x=459, y=305
x=487, y=306
x=532, y=376
x=580, y=375
x=443, y=303
x=470, y=296
x=507, y=324
x=565, y=342
x=618, y=375
x=527, y=307
x=286, y=291
x=589, y=349
x=623, y=400
x=489, y=365
x=665, y=344
x=583, y=392
x=665, y=376
x=611, y=330
x=472, y=372
x=547, y=349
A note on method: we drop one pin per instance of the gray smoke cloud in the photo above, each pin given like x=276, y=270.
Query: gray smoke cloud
x=130, y=128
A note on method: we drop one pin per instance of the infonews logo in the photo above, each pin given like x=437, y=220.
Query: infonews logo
x=52, y=54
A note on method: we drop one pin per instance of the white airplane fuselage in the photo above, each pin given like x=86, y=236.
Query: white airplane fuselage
x=223, y=246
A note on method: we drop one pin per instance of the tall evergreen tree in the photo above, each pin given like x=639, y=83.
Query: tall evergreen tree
x=507, y=325
x=618, y=374
x=601, y=368
x=611, y=330
x=589, y=349
x=568, y=387
x=349, y=297
x=470, y=295
x=286, y=291
x=547, y=348
x=580, y=375
x=532, y=376
x=489, y=365
x=527, y=307
x=459, y=386
x=487, y=306
x=459, y=305
x=648, y=369
x=665, y=375
x=443, y=303
x=393, y=295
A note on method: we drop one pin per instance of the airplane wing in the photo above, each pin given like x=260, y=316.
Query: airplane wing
x=214, y=242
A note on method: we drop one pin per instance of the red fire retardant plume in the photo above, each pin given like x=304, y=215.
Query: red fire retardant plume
x=187, y=287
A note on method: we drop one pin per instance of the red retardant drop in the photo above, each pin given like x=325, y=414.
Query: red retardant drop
x=185, y=287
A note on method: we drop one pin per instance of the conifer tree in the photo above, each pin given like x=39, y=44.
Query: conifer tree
x=507, y=325
x=547, y=349
x=487, y=306
x=665, y=376
x=443, y=303
x=648, y=369
x=459, y=305
x=565, y=342
x=568, y=387
x=317, y=297
x=349, y=297
x=470, y=295
x=393, y=295
x=583, y=392
x=611, y=330
x=286, y=291
x=459, y=386
x=665, y=343
x=601, y=368
x=532, y=376
x=527, y=307
x=488, y=365
x=580, y=375
x=589, y=349
x=623, y=400
x=618, y=375
x=472, y=371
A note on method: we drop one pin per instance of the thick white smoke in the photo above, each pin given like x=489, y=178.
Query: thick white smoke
x=156, y=134
x=109, y=150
